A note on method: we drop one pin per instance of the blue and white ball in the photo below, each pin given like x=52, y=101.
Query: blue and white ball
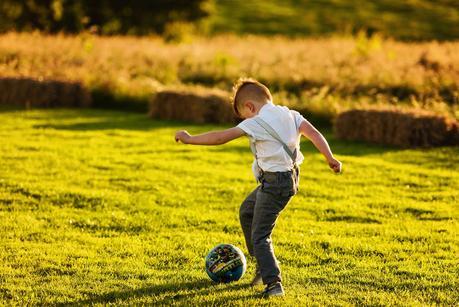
x=225, y=263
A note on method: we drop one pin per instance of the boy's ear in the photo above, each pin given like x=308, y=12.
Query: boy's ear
x=250, y=105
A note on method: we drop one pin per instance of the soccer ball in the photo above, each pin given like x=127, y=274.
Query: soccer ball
x=225, y=263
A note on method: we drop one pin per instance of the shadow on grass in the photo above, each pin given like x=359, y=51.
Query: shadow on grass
x=100, y=119
x=352, y=219
x=11, y=108
x=410, y=282
x=170, y=293
x=119, y=124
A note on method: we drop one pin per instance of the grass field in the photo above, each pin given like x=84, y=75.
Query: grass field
x=101, y=206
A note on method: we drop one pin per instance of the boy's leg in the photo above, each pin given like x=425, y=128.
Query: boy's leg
x=246, y=216
x=266, y=212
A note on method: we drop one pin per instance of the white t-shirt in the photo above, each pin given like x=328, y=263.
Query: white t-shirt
x=272, y=157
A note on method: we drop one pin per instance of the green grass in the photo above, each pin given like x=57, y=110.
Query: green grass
x=406, y=20
x=104, y=207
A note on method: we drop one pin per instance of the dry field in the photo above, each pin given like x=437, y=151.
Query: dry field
x=322, y=75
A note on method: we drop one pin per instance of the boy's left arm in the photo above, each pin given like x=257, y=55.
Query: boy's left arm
x=209, y=138
x=309, y=131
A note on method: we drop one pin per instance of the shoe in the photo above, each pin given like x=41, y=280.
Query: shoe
x=256, y=279
x=273, y=289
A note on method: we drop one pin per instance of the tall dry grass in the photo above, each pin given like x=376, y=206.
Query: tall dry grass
x=321, y=75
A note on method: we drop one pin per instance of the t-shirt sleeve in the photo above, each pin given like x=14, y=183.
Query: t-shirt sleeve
x=247, y=126
x=298, y=118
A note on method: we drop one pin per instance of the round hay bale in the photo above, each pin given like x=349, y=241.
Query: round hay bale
x=397, y=127
x=30, y=92
x=198, y=106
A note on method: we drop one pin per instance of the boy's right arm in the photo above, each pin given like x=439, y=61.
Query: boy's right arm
x=309, y=131
x=209, y=138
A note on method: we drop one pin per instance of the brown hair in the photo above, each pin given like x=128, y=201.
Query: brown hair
x=249, y=89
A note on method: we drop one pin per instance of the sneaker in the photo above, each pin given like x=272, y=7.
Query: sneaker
x=256, y=279
x=273, y=289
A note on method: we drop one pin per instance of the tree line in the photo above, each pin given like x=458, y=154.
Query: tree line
x=135, y=17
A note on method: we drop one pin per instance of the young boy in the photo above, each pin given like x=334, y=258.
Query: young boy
x=274, y=133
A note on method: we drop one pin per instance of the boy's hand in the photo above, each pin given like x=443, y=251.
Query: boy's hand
x=335, y=165
x=182, y=136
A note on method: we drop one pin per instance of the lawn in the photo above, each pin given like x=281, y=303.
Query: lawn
x=104, y=207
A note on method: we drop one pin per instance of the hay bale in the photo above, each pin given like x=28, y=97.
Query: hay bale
x=195, y=106
x=396, y=127
x=48, y=93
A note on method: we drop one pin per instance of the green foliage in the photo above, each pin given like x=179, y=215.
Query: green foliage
x=102, y=207
x=406, y=20
x=109, y=17
x=365, y=44
x=224, y=64
x=178, y=32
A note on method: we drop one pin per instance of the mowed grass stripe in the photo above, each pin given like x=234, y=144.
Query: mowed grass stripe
x=99, y=206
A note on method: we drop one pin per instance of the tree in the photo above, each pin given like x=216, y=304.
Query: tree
x=110, y=16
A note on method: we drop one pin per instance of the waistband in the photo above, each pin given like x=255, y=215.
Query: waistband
x=275, y=175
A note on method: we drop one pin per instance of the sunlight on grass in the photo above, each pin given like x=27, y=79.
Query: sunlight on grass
x=99, y=206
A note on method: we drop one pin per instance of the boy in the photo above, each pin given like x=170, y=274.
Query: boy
x=274, y=133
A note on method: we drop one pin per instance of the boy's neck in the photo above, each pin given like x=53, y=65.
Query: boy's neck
x=259, y=106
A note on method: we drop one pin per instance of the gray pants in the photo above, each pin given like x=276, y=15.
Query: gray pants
x=258, y=215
